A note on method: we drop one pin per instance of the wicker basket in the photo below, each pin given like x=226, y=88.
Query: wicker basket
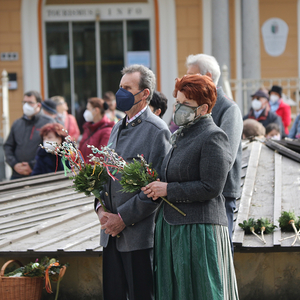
x=19, y=288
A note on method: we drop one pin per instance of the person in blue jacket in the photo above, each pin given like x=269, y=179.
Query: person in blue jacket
x=295, y=130
x=46, y=160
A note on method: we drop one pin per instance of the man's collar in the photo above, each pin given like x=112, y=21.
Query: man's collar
x=136, y=115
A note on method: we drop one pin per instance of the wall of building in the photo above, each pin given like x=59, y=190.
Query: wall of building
x=189, y=31
x=285, y=65
x=10, y=37
x=268, y=276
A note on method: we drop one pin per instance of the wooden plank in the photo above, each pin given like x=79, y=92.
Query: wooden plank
x=64, y=236
x=45, y=226
x=277, y=198
x=32, y=181
x=80, y=241
x=66, y=207
x=247, y=193
x=29, y=192
x=38, y=204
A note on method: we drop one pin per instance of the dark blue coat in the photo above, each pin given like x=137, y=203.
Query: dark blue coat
x=46, y=163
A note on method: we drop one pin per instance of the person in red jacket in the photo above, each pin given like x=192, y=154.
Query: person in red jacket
x=96, y=130
x=279, y=107
x=65, y=118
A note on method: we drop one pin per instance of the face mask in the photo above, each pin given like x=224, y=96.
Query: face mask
x=274, y=98
x=256, y=104
x=276, y=137
x=88, y=116
x=49, y=145
x=125, y=99
x=184, y=114
x=28, y=110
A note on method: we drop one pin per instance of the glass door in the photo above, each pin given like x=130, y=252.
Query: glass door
x=85, y=59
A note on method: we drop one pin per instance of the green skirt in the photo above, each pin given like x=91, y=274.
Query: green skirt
x=193, y=262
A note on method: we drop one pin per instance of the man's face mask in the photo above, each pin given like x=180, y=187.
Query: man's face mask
x=184, y=114
x=125, y=99
x=256, y=104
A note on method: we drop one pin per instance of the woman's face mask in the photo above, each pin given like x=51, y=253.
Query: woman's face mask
x=125, y=99
x=274, y=98
x=184, y=114
x=88, y=116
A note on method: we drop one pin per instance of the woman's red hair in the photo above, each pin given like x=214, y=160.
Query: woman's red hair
x=54, y=127
x=199, y=88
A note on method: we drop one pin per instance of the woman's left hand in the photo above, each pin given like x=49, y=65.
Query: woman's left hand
x=155, y=189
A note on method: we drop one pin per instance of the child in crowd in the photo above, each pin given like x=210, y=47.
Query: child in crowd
x=46, y=161
x=273, y=131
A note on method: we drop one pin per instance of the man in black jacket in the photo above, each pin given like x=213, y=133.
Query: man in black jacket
x=24, y=137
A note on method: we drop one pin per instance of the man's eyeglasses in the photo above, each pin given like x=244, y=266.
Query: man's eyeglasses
x=29, y=102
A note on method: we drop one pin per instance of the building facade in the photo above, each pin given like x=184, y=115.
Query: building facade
x=77, y=48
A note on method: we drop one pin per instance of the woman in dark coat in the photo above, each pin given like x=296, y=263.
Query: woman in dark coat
x=46, y=160
x=193, y=257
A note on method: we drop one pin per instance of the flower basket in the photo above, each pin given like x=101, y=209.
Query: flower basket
x=20, y=288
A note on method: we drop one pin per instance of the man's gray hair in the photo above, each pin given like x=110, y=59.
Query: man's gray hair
x=147, y=80
x=206, y=63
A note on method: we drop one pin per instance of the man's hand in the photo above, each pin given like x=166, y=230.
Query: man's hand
x=23, y=168
x=113, y=225
x=102, y=219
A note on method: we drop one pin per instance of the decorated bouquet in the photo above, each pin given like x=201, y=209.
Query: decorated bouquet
x=256, y=227
x=87, y=177
x=134, y=175
x=50, y=269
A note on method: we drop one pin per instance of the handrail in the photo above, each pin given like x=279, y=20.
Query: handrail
x=241, y=89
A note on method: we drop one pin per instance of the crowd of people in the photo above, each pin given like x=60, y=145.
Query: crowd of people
x=150, y=251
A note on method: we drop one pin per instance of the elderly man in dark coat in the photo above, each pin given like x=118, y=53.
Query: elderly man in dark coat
x=227, y=115
x=127, y=259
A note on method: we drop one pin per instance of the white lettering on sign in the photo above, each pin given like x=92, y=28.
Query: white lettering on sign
x=103, y=12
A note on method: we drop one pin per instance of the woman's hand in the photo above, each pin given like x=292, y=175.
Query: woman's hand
x=155, y=189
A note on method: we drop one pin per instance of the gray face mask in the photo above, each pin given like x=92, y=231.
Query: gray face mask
x=184, y=114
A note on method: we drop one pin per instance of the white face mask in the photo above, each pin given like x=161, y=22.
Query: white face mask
x=28, y=110
x=274, y=98
x=88, y=116
x=49, y=145
x=256, y=104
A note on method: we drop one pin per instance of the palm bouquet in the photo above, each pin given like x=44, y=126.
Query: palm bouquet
x=134, y=175
x=261, y=226
x=87, y=177
x=288, y=222
x=48, y=268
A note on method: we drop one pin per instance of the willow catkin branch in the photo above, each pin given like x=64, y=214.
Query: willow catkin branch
x=252, y=230
x=180, y=211
x=262, y=234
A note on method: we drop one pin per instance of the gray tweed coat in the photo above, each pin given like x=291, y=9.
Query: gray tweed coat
x=196, y=169
x=147, y=135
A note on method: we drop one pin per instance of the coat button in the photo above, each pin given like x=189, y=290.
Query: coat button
x=133, y=124
x=106, y=194
x=182, y=134
x=139, y=121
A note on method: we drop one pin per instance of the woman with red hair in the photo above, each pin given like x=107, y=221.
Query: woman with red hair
x=192, y=253
x=46, y=160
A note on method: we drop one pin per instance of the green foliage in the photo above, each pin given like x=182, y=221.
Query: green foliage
x=247, y=225
x=37, y=269
x=264, y=222
x=136, y=175
x=90, y=179
x=284, y=221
